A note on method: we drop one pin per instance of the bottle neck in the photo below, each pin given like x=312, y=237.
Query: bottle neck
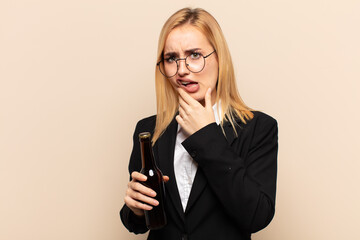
x=147, y=156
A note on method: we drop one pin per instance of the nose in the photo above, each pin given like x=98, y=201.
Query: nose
x=182, y=69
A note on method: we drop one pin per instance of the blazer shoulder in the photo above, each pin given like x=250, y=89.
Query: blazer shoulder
x=261, y=122
x=262, y=126
x=263, y=118
x=146, y=124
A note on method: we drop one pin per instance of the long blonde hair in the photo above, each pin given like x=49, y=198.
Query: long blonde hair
x=232, y=106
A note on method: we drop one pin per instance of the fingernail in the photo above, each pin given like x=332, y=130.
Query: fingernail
x=156, y=202
x=153, y=193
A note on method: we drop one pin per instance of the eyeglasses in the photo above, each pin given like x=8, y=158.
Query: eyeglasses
x=195, y=62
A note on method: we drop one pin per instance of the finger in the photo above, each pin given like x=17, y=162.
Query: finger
x=131, y=203
x=208, y=99
x=187, y=98
x=138, y=176
x=184, y=104
x=137, y=196
x=183, y=125
x=182, y=112
x=138, y=187
x=166, y=179
x=180, y=121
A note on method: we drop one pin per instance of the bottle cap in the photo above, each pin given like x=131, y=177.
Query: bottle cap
x=144, y=136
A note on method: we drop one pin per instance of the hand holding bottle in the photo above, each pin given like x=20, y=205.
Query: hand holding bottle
x=138, y=197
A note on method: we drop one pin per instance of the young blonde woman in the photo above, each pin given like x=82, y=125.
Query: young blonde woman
x=219, y=156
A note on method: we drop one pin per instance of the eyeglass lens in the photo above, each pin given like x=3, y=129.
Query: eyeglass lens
x=194, y=62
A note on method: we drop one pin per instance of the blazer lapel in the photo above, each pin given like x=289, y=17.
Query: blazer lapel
x=200, y=179
x=164, y=149
x=229, y=132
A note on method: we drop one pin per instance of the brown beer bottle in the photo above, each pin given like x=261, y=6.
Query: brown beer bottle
x=155, y=218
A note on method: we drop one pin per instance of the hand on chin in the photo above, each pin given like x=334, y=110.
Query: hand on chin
x=193, y=115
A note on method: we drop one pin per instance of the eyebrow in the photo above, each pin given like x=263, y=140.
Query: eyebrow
x=186, y=52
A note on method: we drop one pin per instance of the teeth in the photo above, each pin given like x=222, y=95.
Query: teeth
x=184, y=83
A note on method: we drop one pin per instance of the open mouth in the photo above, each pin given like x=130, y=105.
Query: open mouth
x=188, y=85
x=186, y=82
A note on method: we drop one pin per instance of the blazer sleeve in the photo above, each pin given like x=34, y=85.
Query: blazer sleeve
x=245, y=183
x=132, y=222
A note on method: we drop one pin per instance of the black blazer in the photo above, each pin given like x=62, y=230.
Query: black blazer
x=233, y=194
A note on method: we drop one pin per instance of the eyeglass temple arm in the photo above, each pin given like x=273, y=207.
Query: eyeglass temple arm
x=210, y=53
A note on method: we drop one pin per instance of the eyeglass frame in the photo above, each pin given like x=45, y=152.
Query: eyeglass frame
x=177, y=65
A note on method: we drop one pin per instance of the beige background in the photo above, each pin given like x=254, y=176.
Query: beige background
x=76, y=76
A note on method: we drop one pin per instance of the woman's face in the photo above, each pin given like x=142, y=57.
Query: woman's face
x=184, y=41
